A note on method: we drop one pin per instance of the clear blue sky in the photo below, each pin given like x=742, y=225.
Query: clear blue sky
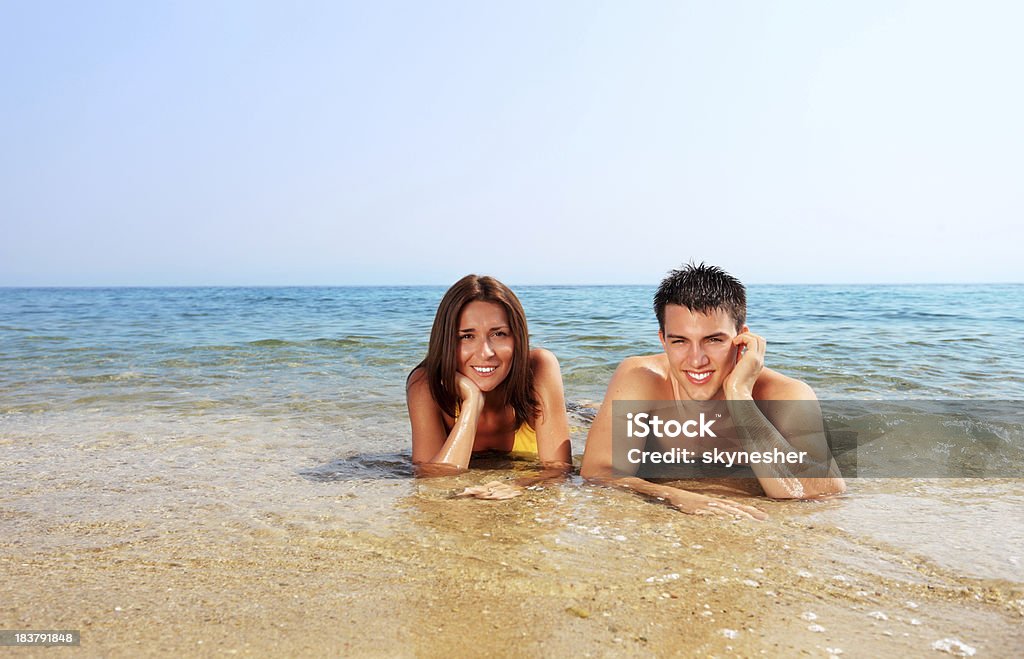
x=148, y=143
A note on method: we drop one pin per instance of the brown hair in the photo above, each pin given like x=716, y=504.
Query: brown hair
x=441, y=363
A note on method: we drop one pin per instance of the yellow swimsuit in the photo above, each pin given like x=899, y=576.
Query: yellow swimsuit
x=525, y=440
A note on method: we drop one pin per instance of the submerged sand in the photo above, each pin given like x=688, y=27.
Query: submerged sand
x=402, y=569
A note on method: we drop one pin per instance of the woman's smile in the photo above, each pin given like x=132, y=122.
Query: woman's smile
x=486, y=346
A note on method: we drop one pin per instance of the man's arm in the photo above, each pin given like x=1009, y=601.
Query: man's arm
x=794, y=427
x=632, y=381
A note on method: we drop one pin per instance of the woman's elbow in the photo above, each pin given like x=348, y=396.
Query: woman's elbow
x=594, y=473
x=435, y=469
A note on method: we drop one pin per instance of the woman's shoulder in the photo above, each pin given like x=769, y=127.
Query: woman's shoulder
x=547, y=374
x=417, y=381
x=418, y=394
x=543, y=363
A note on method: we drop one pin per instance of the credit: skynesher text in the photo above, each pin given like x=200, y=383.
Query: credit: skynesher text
x=715, y=456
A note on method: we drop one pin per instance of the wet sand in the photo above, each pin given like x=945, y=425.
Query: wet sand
x=399, y=568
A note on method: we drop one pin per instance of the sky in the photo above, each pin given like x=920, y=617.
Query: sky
x=361, y=143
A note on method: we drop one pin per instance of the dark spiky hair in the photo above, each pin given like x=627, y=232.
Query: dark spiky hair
x=702, y=288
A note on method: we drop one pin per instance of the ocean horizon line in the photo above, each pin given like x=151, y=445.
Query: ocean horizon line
x=511, y=284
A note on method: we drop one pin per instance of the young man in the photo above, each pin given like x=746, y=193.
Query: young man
x=711, y=358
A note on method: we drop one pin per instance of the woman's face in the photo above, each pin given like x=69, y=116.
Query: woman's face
x=486, y=345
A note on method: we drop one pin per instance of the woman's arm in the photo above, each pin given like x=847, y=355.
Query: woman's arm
x=552, y=427
x=551, y=424
x=433, y=449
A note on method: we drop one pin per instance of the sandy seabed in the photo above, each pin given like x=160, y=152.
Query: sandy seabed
x=403, y=569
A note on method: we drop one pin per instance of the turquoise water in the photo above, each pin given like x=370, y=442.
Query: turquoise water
x=220, y=408
x=325, y=352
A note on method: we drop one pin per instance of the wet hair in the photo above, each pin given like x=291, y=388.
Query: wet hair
x=442, y=359
x=704, y=289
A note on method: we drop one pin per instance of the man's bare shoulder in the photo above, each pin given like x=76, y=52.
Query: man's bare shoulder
x=655, y=365
x=643, y=377
x=772, y=385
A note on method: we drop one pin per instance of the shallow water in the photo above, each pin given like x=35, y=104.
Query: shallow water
x=135, y=412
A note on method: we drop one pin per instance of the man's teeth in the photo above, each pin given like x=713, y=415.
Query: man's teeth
x=699, y=376
x=485, y=369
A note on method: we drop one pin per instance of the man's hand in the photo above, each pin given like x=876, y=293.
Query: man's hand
x=698, y=504
x=750, y=350
x=495, y=490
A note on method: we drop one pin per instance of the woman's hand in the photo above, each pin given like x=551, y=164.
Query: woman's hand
x=495, y=490
x=469, y=392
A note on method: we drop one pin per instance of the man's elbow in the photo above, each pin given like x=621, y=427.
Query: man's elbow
x=793, y=489
x=827, y=487
x=838, y=486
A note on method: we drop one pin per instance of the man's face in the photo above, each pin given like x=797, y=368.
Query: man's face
x=699, y=349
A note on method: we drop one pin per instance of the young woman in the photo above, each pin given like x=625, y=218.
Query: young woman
x=481, y=387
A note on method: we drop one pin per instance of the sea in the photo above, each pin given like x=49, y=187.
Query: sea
x=220, y=407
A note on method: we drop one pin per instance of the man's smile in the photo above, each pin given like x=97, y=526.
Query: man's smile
x=698, y=377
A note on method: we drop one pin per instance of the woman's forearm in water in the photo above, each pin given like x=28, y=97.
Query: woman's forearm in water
x=458, y=448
